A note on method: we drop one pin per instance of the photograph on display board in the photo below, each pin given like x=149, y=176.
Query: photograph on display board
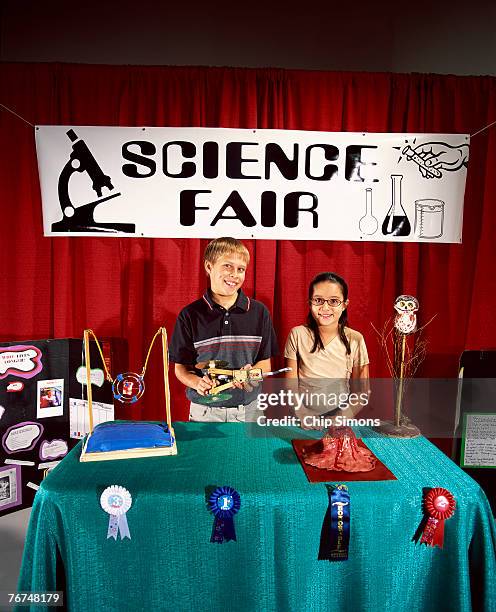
x=10, y=489
x=50, y=398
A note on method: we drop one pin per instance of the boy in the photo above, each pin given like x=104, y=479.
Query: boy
x=223, y=324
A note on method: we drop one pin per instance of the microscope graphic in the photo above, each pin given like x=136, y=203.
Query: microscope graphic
x=81, y=218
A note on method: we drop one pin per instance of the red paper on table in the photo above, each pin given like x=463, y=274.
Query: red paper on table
x=314, y=474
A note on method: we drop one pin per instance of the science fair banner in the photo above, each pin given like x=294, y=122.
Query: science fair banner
x=274, y=184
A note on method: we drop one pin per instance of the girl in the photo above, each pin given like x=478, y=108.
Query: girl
x=325, y=348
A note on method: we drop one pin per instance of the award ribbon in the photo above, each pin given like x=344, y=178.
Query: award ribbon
x=116, y=501
x=439, y=505
x=340, y=511
x=224, y=502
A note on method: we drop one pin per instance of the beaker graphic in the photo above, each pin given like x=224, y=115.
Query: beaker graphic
x=429, y=218
x=396, y=222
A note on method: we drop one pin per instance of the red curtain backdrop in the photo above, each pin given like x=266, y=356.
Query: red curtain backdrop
x=56, y=287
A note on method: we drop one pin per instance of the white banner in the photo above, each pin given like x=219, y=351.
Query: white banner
x=273, y=184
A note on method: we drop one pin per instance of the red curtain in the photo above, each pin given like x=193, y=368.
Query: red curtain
x=55, y=287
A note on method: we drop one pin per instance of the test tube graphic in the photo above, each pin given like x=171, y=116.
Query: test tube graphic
x=410, y=154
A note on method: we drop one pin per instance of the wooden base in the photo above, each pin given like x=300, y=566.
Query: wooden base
x=388, y=428
x=132, y=453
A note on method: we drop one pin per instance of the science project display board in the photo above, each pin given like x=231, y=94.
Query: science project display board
x=43, y=411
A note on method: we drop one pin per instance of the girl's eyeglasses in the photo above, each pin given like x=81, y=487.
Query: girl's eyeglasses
x=333, y=302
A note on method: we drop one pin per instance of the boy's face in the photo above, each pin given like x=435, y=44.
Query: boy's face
x=227, y=274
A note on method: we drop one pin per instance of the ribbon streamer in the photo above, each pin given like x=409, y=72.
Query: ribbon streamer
x=340, y=511
x=118, y=524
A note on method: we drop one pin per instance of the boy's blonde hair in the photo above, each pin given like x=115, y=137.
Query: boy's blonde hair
x=224, y=246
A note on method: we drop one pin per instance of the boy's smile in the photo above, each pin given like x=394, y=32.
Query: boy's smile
x=227, y=275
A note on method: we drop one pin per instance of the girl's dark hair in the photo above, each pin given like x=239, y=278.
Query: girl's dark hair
x=343, y=319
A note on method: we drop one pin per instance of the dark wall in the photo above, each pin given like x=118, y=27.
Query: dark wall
x=443, y=37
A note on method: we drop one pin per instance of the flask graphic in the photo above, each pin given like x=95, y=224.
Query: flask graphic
x=396, y=222
x=368, y=223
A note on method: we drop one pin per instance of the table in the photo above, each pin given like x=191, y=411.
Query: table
x=170, y=563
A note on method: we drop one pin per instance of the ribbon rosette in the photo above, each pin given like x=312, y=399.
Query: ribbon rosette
x=439, y=505
x=116, y=501
x=224, y=502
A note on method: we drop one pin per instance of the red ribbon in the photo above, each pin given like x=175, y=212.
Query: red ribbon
x=439, y=505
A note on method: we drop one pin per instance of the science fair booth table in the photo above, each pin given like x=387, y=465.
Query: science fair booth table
x=170, y=564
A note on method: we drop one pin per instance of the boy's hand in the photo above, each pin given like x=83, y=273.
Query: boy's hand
x=247, y=386
x=204, y=385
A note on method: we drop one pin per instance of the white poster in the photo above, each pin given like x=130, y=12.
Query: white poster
x=479, y=440
x=273, y=184
x=79, y=420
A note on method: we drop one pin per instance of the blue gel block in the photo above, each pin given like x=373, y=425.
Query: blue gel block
x=112, y=436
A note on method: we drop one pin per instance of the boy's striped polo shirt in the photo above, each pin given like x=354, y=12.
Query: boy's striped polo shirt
x=205, y=330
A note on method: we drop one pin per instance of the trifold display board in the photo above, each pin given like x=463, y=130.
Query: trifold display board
x=43, y=412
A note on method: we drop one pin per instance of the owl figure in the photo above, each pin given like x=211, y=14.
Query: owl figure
x=406, y=320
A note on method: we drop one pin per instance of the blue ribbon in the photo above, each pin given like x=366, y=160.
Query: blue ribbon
x=224, y=502
x=340, y=511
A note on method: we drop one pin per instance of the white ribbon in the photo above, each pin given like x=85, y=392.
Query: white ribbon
x=116, y=501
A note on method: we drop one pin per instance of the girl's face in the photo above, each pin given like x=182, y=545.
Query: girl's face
x=327, y=312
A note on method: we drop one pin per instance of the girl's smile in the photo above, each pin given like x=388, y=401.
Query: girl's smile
x=324, y=318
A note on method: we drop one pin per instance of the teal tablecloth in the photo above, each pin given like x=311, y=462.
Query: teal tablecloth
x=170, y=564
